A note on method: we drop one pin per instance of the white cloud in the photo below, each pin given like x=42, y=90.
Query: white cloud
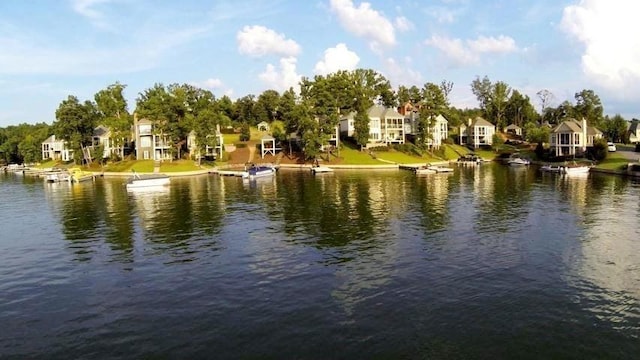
x=442, y=14
x=365, y=22
x=501, y=44
x=401, y=72
x=469, y=51
x=258, y=41
x=211, y=83
x=607, y=30
x=281, y=78
x=87, y=8
x=337, y=58
x=403, y=24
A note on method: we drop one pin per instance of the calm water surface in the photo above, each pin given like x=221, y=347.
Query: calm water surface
x=485, y=263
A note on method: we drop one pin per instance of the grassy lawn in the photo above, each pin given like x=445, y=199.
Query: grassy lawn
x=486, y=154
x=351, y=156
x=614, y=161
x=128, y=165
x=402, y=158
x=178, y=166
x=48, y=164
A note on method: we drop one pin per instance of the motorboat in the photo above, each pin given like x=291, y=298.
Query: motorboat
x=425, y=170
x=518, y=161
x=56, y=176
x=147, y=180
x=439, y=169
x=77, y=175
x=321, y=169
x=575, y=169
x=469, y=159
x=551, y=168
x=256, y=171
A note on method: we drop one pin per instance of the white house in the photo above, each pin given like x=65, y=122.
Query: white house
x=56, y=149
x=572, y=138
x=514, y=129
x=210, y=151
x=477, y=132
x=386, y=126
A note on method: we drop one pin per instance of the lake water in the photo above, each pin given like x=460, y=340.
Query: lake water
x=487, y=262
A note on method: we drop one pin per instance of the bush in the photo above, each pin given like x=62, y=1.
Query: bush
x=245, y=132
x=599, y=150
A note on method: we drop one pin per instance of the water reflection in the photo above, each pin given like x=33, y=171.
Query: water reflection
x=606, y=270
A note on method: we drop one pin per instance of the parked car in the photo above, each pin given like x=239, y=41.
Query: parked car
x=611, y=146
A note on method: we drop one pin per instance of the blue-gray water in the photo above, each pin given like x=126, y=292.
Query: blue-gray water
x=489, y=262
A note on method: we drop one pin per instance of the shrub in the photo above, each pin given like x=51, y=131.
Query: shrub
x=599, y=150
x=245, y=132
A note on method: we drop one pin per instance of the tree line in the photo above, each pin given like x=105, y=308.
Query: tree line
x=177, y=110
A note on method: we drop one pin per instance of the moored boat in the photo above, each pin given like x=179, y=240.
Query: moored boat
x=256, y=171
x=518, y=161
x=147, y=180
x=575, y=169
x=77, y=175
x=551, y=168
x=321, y=169
x=469, y=160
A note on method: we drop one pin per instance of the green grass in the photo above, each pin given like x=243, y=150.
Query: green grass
x=452, y=152
x=614, y=161
x=48, y=164
x=351, y=156
x=128, y=165
x=231, y=138
x=486, y=154
x=401, y=158
x=178, y=166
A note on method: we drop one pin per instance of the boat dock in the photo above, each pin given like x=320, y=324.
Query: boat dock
x=237, y=173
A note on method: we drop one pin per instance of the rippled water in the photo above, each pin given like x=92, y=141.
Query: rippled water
x=488, y=262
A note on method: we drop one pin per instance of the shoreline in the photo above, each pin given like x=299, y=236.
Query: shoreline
x=298, y=167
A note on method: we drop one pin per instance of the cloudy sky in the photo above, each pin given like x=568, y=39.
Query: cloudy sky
x=53, y=48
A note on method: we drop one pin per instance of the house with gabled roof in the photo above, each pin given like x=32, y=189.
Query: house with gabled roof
x=102, y=136
x=386, y=126
x=214, y=152
x=514, y=129
x=56, y=149
x=477, y=132
x=572, y=137
x=149, y=144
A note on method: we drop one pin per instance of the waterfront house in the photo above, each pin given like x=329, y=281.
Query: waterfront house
x=386, y=126
x=477, y=132
x=571, y=137
x=150, y=145
x=211, y=152
x=634, y=131
x=102, y=136
x=514, y=130
x=56, y=149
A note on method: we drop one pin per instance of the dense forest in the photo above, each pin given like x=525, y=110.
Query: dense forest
x=178, y=109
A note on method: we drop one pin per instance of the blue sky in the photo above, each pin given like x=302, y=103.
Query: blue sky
x=53, y=48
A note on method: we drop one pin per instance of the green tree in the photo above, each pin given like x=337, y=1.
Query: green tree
x=519, y=110
x=266, y=106
x=616, y=128
x=589, y=106
x=75, y=123
x=500, y=93
x=113, y=113
x=482, y=89
x=30, y=150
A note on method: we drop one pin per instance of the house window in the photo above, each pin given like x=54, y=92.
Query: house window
x=145, y=129
x=145, y=141
x=565, y=139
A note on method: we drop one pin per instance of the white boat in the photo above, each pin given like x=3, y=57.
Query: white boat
x=440, y=169
x=551, y=168
x=147, y=180
x=321, y=169
x=469, y=160
x=423, y=170
x=56, y=176
x=77, y=175
x=580, y=169
x=256, y=171
x=518, y=161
